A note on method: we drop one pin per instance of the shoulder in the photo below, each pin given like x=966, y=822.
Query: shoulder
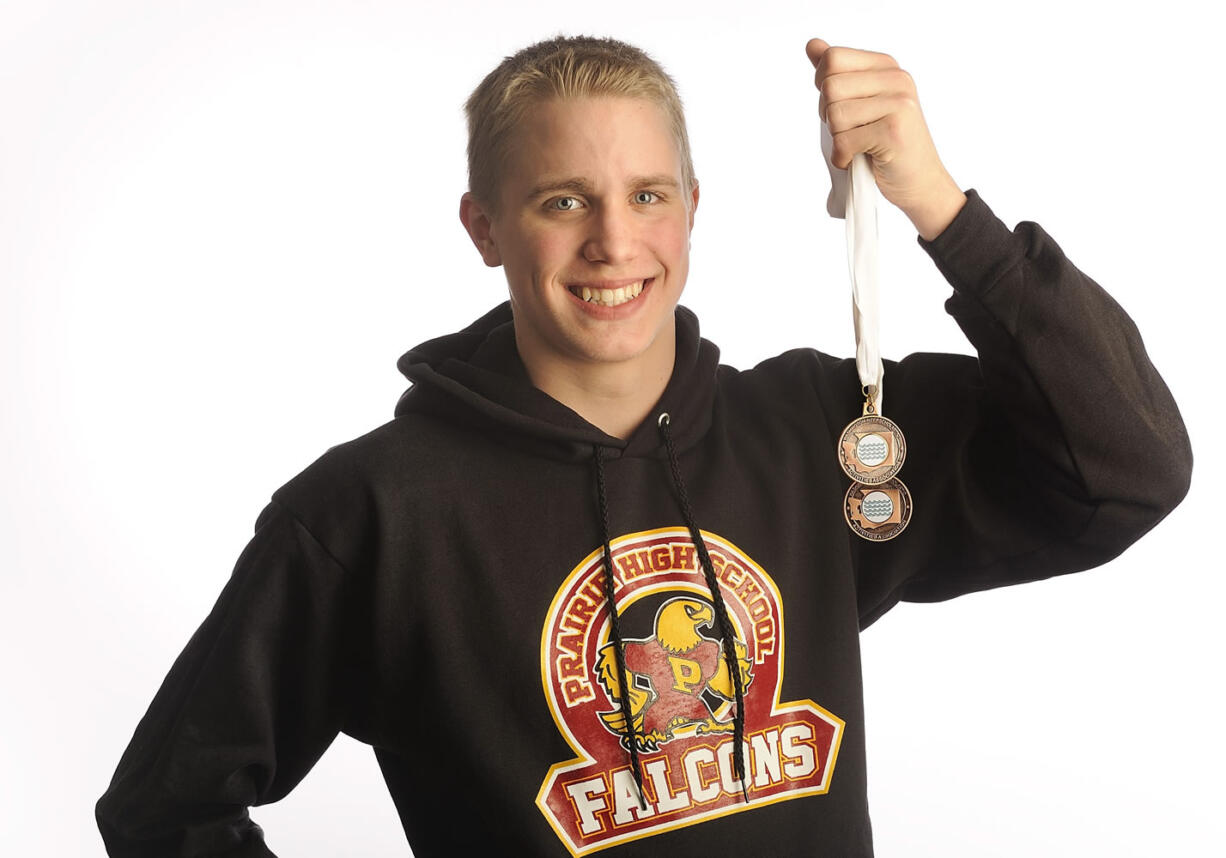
x=810, y=387
x=793, y=378
x=354, y=491
x=805, y=365
x=387, y=453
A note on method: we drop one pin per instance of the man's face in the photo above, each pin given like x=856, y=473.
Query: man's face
x=593, y=233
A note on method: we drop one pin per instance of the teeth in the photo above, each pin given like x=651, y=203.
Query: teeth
x=610, y=297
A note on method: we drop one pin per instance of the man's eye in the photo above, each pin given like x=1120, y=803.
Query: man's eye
x=565, y=204
x=645, y=197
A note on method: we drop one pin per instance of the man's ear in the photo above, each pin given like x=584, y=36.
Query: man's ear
x=477, y=222
x=693, y=203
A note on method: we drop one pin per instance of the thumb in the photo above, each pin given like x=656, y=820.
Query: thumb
x=815, y=48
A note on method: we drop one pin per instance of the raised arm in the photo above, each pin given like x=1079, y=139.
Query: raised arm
x=1055, y=450
x=1060, y=445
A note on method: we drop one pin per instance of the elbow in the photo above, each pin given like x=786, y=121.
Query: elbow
x=1152, y=495
x=1168, y=477
x=1155, y=475
x=1131, y=499
x=1168, y=489
x=1178, y=480
x=126, y=828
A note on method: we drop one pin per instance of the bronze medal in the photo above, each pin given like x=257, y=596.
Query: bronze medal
x=877, y=512
x=872, y=449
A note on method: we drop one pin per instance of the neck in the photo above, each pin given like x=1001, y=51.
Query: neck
x=615, y=397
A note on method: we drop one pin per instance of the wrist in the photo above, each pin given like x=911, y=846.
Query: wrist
x=937, y=211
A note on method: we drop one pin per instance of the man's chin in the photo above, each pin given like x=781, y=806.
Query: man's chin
x=645, y=348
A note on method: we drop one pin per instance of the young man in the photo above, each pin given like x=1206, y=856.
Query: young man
x=552, y=592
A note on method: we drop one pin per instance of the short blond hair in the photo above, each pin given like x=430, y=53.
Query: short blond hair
x=561, y=67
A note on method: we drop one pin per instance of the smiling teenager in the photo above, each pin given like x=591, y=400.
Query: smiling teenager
x=592, y=226
x=506, y=590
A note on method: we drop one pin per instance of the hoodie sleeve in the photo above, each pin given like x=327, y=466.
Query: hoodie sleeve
x=252, y=702
x=1053, y=452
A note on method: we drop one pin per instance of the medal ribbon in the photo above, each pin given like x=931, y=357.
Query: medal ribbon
x=854, y=198
x=877, y=506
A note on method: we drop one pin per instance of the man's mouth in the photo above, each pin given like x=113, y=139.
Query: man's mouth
x=610, y=297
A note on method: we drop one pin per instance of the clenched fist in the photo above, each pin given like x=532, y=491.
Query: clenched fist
x=870, y=105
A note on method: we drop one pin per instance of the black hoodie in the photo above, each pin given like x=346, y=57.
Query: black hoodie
x=435, y=587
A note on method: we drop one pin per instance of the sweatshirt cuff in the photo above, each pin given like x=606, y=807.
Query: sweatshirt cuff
x=975, y=249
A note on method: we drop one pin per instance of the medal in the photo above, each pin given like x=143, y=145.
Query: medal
x=877, y=512
x=871, y=449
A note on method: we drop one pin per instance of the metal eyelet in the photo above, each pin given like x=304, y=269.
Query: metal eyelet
x=664, y=419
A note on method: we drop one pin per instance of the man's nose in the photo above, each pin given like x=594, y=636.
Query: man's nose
x=612, y=238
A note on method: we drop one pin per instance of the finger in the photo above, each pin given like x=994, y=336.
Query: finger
x=839, y=60
x=814, y=48
x=862, y=84
x=858, y=112
x=847, y=144
x=876, y=139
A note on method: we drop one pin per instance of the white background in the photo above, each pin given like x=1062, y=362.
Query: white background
x=222, y=222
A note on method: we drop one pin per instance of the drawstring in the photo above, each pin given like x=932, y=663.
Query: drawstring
x=721, y=611
x=721, y=616
x=618, y=649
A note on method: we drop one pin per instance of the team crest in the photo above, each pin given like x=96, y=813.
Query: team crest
x=681, y=697
x=669, y=675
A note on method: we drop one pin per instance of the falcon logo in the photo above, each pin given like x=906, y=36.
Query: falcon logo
x=677, y=666
x=680, y=695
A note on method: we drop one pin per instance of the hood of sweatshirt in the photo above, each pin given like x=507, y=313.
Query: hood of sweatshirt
x=476, y=378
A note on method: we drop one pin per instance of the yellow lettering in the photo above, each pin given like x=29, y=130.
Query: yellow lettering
x=686, y=672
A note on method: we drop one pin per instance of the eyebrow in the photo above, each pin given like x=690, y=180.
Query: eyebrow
x=577, y=184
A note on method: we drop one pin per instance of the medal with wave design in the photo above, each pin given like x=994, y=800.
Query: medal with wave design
x=871, y=450
x=878, y=512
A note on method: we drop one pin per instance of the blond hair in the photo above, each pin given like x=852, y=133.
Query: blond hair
x=561, y=67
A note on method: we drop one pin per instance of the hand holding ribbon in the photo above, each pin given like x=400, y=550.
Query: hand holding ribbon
x=871, y=449
x=870, y=106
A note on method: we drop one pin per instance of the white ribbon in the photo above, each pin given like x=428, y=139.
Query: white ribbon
x=853, y=196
